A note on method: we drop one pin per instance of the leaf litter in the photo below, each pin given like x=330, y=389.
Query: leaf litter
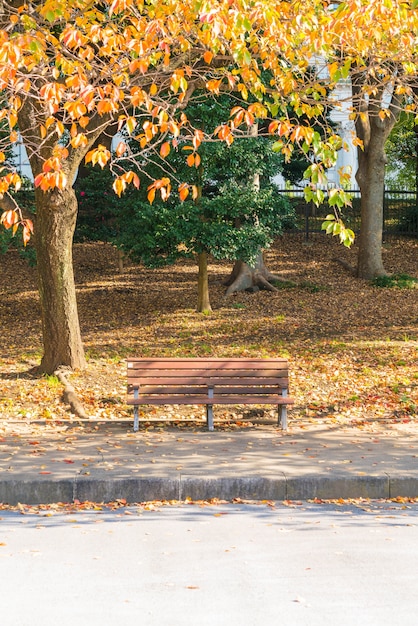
x=352, y=347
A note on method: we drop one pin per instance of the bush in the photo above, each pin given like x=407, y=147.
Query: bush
x=26, y=200
x=408, y=220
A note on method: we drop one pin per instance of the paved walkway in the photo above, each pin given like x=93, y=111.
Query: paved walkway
x=42, y=463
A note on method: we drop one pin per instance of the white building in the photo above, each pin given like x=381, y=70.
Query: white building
x=347, y=158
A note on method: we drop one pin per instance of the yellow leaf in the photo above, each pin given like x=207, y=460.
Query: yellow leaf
x=121, y=149
x=165, y=149
x=130, y=124
x=119, y=186
x=151, y=195
x=9, y=218
x=12, y=119
x=60, y=128
x=79, y=141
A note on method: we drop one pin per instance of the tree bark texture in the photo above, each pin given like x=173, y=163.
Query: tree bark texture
x=203, y=301
x=373, y=130
x=371, y=180
x=246, y=278
x=56, y=214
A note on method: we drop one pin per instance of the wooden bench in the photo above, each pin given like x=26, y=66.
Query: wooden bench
x=209, y=381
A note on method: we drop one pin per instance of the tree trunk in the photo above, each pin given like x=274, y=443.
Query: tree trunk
x=203, y=302
x=371, y=179
x=56, y=213
x=372, y=129
x=247, y=278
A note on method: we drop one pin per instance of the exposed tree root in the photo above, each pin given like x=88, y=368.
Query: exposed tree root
x=69, y=396
x=246, y=278
x=344, y=263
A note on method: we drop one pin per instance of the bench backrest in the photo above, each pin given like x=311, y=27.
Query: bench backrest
x=194, y=375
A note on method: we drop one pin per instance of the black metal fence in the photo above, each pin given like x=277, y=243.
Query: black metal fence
x=400, y=213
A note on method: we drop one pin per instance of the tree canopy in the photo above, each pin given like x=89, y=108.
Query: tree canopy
x=237, y=211
x=72, y=66
x=71, y=70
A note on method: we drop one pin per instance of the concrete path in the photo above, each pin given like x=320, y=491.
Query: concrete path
x=102, y=462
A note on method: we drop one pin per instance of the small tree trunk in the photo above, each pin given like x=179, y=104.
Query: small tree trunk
x=55, y=223
x=371, y=179
x=120, y=260
x=246, y=278
x=203, y=302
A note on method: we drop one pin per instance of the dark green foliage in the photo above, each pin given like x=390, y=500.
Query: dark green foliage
x=233, y=217
x=408, y=220
x=25, y=199
x=231, y=220
x=8, y=242
x=402, y=153
x=98, y=207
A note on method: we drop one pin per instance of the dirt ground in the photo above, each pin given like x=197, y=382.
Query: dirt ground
x=352, y=347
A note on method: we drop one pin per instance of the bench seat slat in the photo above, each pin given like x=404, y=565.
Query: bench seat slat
x=203, y=381
x=169, y=390
x=223, y=368
x=200, y=399
x=147, y=389
x=203, y=374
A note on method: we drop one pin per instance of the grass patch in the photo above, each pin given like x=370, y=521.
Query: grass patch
x=279, y=319
x=238, y=305
x=284, y=284
x=400, y=281
x=52, y=381
x=312, y=287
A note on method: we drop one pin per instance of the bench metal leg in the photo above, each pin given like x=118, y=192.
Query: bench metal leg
x=282, y=421
x=209, y=416
x=209, y=409
x=136, y=419
x=283, y=412
x=136, y=415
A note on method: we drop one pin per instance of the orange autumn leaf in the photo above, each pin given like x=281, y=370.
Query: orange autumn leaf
x=165, y=149
x=122, y=61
